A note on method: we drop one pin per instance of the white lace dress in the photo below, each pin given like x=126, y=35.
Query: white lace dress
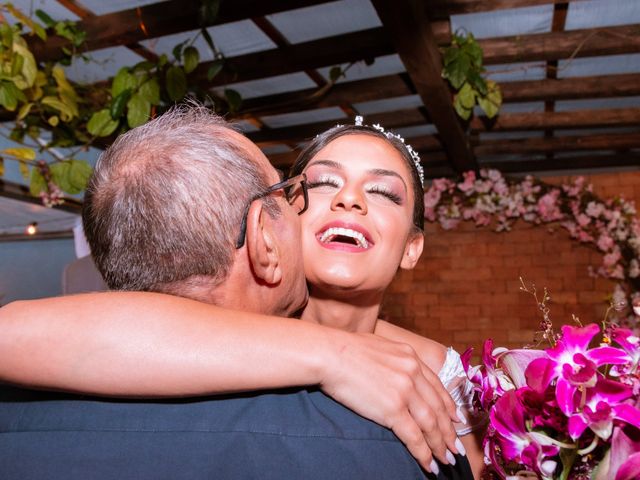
x=455, y=380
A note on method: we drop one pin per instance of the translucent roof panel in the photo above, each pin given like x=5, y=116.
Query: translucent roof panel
x=387, y=65
x=54, y=9
x=503, y=23
x=232, y=39
x=602, y=13
x=388, y=104
x=597, y=103
x=334, y=18
x=609, y=65
x=515, y=72
x=516, y=107
x=100, y=7
x=416, y=131
x=304, y=117
x=272, y=85
x=595, y=131
x=103, y=64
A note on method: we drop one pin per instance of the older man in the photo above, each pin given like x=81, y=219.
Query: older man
x=162, y=214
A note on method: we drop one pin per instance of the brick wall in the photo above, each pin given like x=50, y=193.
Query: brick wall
x=466, y=288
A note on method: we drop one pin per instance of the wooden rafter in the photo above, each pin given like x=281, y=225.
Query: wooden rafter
x=159, y=19
x=20, y=192
x=410, y=30
x=617, y=117
x=619, y=141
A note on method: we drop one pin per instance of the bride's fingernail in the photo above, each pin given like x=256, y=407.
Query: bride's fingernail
x=450, y=458
x=460, y=447
x=461, y=416
x=433, y=466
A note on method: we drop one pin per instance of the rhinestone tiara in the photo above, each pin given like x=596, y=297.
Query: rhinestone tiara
x=414, y=155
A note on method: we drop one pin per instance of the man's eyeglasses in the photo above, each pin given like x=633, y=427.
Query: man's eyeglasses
x=295, y=191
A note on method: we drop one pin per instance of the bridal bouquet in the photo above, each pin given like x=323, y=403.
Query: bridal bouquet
x=571, y=411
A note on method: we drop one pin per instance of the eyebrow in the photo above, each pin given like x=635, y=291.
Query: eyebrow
x=379, y=172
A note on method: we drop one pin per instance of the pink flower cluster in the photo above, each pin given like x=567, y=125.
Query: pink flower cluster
x=611, y=226
x=570, y=411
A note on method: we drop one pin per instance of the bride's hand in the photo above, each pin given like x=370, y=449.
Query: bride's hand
x=387, y=382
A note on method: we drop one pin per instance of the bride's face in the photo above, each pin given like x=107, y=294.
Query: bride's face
x=358, y=230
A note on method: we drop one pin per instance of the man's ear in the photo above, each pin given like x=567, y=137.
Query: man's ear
x=412, y=251
x=262, y=246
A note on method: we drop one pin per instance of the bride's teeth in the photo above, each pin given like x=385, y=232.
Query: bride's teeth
x=333, y=232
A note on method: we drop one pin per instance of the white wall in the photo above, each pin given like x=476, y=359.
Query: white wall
x=33, y=269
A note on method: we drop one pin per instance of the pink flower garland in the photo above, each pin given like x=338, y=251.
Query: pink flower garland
x=611, y=226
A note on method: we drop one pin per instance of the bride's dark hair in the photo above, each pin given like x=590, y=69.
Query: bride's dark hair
x=330, y=135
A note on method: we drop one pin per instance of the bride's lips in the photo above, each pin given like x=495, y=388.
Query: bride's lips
x=361, y=237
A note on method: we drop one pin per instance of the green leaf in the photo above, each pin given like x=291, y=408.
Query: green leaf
x=53, y=121
x=66, y=111
x=7, y=35
x=461, y=110
x=234, y=99
x=457, y=71
x=474, y=51
x=24, y=110
x=492, y=102
x=191, y=59
x=209, y=40
x=101, y=124
x=335, y=73
x=122, y=81
x=177, y=50
x=46, y=19
x=78, y=175
x=60, y=175
x=24, y=170
x=162, y=61
x=38, y=183
x=21, y=153
x=176, y=82
x=8, y=97
x=467, y=96
x=477, y=82
x=214, y=69
x=450, y=55
x=29, y=67
x=150, y=91
x=16, y=64
x=145, y=66
x=22, y=18
x=138, y=111
x=118, y=104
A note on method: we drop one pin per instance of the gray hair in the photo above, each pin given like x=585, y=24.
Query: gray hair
x=164, y=205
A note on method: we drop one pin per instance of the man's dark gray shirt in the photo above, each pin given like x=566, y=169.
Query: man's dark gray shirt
x=277, y=435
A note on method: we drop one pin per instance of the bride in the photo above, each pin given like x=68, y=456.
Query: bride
x=364, y=220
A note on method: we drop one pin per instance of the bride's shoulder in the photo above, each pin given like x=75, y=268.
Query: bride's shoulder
x=432, y=353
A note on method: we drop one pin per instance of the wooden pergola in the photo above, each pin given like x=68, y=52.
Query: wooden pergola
x=417, y=31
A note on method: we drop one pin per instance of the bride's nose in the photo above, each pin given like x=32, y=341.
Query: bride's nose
x=349, y=198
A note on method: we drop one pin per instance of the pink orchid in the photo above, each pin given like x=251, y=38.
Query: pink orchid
x=604, y=404
x=516, y=442
x=605, y=242
x=572, y=364
x=630, y=343
x=469, y=179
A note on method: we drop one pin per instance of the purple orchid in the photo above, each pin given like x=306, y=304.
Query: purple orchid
x=573, y=364
x=515, y=442
x=604, y=404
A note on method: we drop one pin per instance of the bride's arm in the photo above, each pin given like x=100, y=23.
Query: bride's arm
x=433, y=354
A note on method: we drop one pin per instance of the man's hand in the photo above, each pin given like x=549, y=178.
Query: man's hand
x=386, y=382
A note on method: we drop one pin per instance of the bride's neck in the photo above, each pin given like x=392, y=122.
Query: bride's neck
x=350, y=312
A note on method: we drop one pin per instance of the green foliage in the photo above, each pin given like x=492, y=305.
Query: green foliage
x=43, y=99
x=463, y=69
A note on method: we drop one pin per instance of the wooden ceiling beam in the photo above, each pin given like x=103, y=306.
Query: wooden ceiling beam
x=410, y=29
x=19, y=192
x=619, y=141
x=456, y=7
x=628, y=159
x=618, y=117
x=155, y=20
x=561, y=45
x=571, y=88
